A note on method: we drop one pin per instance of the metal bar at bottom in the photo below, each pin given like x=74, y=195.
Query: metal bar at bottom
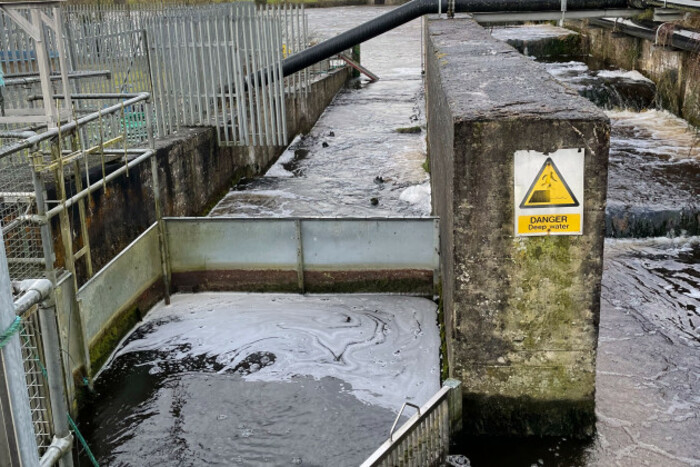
x=507, y=17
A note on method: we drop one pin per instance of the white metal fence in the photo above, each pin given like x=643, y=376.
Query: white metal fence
x=201, y=64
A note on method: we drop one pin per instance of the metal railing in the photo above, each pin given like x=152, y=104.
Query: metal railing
x=197, y=61
x=47, y=174
x=200, y=64
x=45, y=400
x=424, y=440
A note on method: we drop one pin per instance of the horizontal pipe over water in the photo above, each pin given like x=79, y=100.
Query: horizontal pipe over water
x=676, y=38
x=416, y=9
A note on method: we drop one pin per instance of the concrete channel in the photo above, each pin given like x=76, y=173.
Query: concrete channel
x=629, y=325
x=269, y=333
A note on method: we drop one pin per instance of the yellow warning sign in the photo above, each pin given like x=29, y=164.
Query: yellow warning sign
x=549, y=190
x=549, y=224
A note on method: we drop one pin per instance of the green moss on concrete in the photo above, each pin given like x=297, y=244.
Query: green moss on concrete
x=646, y=15
x=409, y=129
x=544, y=307
x=103, y=346
x=667, y=91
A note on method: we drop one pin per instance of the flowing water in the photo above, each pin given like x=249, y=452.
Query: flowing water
x=654, y=172
x=364, y=156
x=226, y=379
x=263, y=379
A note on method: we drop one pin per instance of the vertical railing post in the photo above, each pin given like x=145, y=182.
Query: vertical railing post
x=162, y=238
x=49, y=256
x=54, y=374
x=18, y=444
x=454, y=401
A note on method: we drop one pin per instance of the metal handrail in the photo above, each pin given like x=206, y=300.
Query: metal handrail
x=398, y=416
x=67, y=128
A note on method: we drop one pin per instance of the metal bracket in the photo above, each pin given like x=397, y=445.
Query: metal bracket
x=563, y=13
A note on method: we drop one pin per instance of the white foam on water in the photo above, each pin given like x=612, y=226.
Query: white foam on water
x=530, y=32
x=417, y=195
x=632, y=75
x=277, y=169
x=660, y=132
x=386, y=347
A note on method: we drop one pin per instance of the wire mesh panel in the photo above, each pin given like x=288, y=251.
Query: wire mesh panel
x=17, y=205
x=32, y=356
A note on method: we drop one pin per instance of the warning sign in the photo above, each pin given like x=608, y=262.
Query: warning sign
x=548, y=191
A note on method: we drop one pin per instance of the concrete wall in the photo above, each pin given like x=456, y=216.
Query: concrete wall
x=194, y=173
x=675, y=72
x=521, y=313
x=223, y=254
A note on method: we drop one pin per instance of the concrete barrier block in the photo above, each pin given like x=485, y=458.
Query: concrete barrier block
x=521, y=312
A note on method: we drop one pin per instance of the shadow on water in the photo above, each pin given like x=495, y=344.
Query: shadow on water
x=494, y=451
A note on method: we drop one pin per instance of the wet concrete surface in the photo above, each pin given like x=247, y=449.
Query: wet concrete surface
x=648, y=365
x=648, y=368
x=187, y=411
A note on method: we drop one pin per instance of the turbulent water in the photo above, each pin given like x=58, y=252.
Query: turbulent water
x=273, y=379
x=654, y=171
x=364, y=156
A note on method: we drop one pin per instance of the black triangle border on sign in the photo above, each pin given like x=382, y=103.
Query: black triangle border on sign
x=563, y=180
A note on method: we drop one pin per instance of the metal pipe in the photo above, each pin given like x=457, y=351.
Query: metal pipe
x=17, y=134
x=56, y=450
x=417, y=8
x=19, y=443
x=679, y=41
x=57, y=389
x=87, y=96
x=508, y=17
x=34, y=78
x=34, y=292
x=688, y=5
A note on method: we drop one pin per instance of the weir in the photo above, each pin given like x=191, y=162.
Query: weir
x=514, y=253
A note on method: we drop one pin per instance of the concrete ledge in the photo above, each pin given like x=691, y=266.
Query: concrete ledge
x=521, y=313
